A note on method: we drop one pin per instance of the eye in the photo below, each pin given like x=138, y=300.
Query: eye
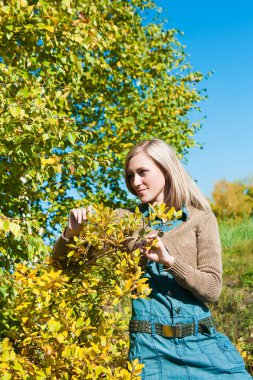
x=142, y=172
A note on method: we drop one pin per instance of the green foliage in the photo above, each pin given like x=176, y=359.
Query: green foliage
x=235, y=233
x=81, y=82
x=247, y=279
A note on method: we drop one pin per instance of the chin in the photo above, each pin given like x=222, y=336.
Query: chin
x=146, y=200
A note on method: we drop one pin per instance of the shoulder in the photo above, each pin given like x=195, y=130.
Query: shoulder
x=204, y=221
x=200, y=215
x=199, y=218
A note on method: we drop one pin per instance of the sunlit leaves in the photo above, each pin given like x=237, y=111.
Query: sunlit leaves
x=73, y=323
x=7, y=226
x=81, y=82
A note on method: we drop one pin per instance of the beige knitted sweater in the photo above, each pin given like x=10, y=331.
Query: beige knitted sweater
x=195, y=245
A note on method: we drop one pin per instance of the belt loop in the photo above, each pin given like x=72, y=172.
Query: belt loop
x=152, y=319
x=196, y=326
x=153, y=328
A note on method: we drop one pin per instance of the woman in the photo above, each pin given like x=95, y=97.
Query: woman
x=172, y=333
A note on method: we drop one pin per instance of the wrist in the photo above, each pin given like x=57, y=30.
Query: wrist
x=168, y=262
x=67, y=233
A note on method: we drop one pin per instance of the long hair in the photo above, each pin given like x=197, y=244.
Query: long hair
x=182, y=190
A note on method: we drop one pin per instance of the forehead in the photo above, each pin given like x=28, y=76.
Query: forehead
x=140, y=160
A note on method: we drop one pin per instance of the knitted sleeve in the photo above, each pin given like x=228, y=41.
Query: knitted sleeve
x=205, y=281
x=60, y=251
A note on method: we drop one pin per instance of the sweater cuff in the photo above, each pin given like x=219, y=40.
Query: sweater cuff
x=63, y=236
x=179, y=269
x=60, y=247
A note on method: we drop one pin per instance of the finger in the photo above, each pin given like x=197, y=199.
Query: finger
x=73, y=215
x=143, y=243
x=80, y=215
x=84, y=214
x=89, y=208
x=72, y=218
x=157, y=239
x=152, y=235
x=145, y=248
x=149, y=240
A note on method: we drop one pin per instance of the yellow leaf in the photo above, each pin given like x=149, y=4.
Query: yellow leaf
x=53, y=325
x=16, y=111
x=118, y=290
x=60, y=337
x=48, y=370
x=49, y=28
x=15, y=229
x=128, y=284
x=138, y=367
x=47, y=161
x=71, y=253
x=79, y=322
x=78, y=332
x=17, y=366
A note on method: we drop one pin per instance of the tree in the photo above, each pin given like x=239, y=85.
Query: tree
x=232, y=199
x=81, y=82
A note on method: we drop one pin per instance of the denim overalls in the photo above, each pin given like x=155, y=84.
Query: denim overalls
x=209, y=355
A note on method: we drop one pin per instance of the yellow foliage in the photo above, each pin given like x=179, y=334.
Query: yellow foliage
x=232, y=200
x=72, y=322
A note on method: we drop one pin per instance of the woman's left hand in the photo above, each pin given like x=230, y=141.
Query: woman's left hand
x=157, y=252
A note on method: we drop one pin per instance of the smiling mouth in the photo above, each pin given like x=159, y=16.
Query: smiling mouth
x=141, y=191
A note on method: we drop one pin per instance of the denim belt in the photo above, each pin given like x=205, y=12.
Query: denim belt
x=173, y=331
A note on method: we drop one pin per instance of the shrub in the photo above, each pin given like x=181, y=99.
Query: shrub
x=70, y=323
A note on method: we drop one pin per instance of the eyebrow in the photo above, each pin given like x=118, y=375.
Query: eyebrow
x=140, y=168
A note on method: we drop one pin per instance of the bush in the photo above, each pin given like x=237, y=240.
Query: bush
x=72, y=323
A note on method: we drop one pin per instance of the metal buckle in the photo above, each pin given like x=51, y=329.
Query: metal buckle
x=169, y=331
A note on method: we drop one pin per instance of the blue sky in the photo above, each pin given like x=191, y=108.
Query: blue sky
x=219, y=37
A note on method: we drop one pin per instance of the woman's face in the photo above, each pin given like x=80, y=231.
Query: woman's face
x=147, y=179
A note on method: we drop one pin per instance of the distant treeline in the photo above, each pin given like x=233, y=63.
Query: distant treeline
x=233, y=199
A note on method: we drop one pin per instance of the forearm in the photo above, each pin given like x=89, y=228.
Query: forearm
x=198, y=265
x=204, y=283
x=60, y=251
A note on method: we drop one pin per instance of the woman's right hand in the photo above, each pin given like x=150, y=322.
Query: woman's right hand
x=75, y=222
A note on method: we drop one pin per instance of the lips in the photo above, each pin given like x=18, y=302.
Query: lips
x=140, y=191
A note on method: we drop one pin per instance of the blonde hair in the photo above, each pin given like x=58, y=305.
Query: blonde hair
x=182, y=190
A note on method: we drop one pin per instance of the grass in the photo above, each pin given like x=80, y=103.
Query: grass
x=233, y=233
x=234, y=310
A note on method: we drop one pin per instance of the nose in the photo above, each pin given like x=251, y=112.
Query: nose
x=136, y=180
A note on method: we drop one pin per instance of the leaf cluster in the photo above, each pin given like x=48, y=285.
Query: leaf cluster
x=70, y=323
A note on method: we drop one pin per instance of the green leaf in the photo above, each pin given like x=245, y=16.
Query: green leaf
x=72, y=137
